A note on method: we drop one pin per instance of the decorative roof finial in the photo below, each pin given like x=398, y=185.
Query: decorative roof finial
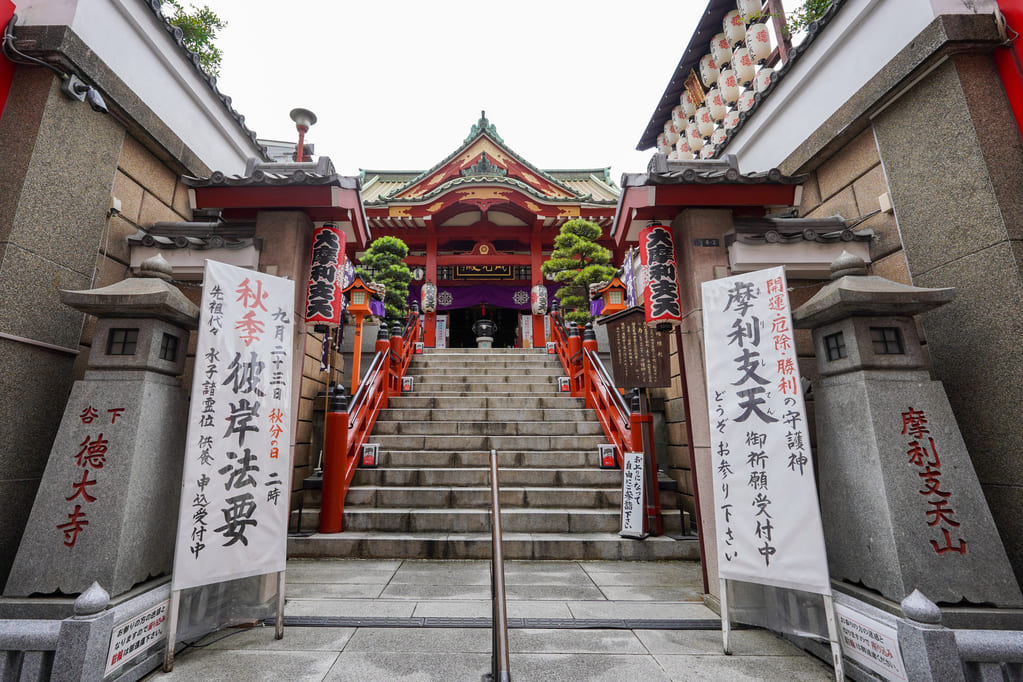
x=483, y=126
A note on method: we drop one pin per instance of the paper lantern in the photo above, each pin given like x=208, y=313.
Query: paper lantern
x=747, y=98
x=758, y=42
x=765, y=77
x=538, y=299
x=734, y=28
x=662, y=145
x=728, y=86
x=693, y=138
x=750, y=10
x=323, y=295
x=718, y=137
x=704, y=122
x=716, y=104
x=682, y=148
x=429, y=297
x=662, y=303
x=721, y=50
x=708, y=151
x=670, y=133
x=688, y=105
x=679, y=118
x=742, y=65
x=708, y=70
x=731, y=120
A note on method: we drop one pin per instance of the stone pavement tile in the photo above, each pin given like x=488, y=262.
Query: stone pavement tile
x=744, y=642
x=550, y=572
x=588, y=667
x=354, y=608
x=359, y=666
x=340, y=570
x=802, y=668
x=651, y=593
x=559, y=592
x=529, y=641
x=427, y=591
x=645, y=572
x=443, y=573
x=205, y=665
x=421, y=640
x=482, y=609
x=295, y=639
x=332, y=591
x=644, y=610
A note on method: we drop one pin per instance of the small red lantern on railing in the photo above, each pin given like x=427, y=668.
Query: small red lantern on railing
x=613, y=295
x=662, y=302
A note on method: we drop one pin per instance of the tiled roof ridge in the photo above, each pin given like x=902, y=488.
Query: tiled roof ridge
x=486, y=179
x=176, y=33
x=662, y=171
x=320, y=172
x=483, y=127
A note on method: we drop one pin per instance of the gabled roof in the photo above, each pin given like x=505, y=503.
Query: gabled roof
x=484, y=159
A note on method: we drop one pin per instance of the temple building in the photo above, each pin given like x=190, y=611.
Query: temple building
x=478, y=226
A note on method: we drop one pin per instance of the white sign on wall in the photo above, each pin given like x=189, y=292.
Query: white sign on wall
x=133, y=637
x=232, y=521
x=871, y=643
x=632, y=495
x=765, y=501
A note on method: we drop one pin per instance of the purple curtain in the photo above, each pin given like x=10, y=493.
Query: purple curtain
x=501, y=296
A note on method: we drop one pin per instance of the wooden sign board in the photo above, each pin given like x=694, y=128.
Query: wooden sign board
x=640, y=356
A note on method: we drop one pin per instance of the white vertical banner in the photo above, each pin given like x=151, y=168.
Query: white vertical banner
x=768, y=519
x=234, y=490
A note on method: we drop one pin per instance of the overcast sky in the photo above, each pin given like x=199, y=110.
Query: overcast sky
x=398, y=84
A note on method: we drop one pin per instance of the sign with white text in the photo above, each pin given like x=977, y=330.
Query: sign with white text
x=765, y=501
x=871, y=643
x=232, y=521
x=130, y=639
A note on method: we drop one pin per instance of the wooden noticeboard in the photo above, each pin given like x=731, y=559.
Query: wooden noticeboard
x=640, y=356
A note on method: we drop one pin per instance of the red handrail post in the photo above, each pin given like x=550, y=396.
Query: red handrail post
x=589, y=344
x=383, y=345
x=397, y=355
x=575, y=345
x=335, y=449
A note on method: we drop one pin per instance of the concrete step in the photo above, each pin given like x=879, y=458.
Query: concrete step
x=532, y=546
x=487, y=400
x=486, y=428
x=537, y=377
x=481, y=414
x=486, y=443
x=479, y=458
x=485, y=368
x=480, y=477
x=467, y=497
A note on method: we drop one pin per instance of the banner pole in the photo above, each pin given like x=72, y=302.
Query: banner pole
x=279, y=633
x=726, y=626
x=836, y=647
x=172, y=631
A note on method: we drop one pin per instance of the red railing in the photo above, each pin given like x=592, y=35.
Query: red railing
x=348, y=426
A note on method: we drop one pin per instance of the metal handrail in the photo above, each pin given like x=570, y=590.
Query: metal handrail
x=500, y=663
x=605, y=379
x=368, y=382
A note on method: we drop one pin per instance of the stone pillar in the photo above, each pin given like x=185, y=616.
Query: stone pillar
x=698, y=264
x=960, y=217
x=901, y=505
x=107, y=506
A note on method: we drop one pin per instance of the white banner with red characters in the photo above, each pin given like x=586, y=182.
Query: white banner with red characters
x=234, y=490
x=323, y=297
x=662, y=302
x=765, y=500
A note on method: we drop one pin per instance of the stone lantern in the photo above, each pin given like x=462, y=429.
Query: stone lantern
x=612, y=294
x=900, y=501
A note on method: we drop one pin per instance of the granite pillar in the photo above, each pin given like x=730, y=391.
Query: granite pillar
x=953, y=158
x=59, y=162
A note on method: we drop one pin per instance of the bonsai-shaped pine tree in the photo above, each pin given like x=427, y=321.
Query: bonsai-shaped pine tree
x=385, y=257
x=577, y=262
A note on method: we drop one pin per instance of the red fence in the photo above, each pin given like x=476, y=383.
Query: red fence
x=347, y=427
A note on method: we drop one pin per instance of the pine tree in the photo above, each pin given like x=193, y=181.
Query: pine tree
x=577, y=262
x=385, y=258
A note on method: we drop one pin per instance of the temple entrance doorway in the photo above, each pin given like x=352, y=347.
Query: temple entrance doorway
x=462, y=320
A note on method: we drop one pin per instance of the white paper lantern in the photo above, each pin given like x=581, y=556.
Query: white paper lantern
x=679, y=118
x=688, y=105
x=538, y=299
x=670, y=133
x=708, y=70
x=731, y=119
x=662, y=145
x=716, y=104
x=682, y=147
x=728, y=86
x=708, y=151
x=693, y=138
x=746, y=100
x=428, y=299
x=742, y=65
x=750, y=10
x=720, y=50
x=765, y=77
x=718, y=138
x=758, y=42
x=704, y=122
x=734, y=28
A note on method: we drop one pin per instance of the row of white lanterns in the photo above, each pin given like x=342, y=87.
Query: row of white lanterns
x=730, y=74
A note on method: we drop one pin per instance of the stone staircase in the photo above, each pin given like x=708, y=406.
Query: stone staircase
x=429, y=497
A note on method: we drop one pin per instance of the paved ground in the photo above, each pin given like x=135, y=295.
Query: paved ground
x=549, y=600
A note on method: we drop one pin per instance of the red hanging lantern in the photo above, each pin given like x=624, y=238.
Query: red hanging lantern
x=662, y=303
x=323, y=296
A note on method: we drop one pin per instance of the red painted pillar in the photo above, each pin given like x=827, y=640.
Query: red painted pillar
x=6, y=66
x=397, y=353
x=383, y=344
x=575, y=345
x=430, y=330
x=535, y=263
x=589, y=344
x=335, y=448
